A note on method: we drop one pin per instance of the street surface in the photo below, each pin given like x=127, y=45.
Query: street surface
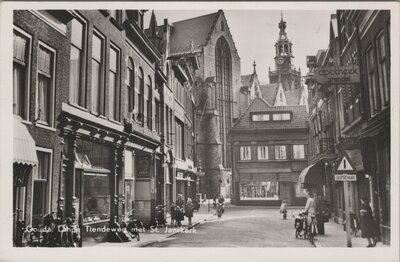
x=241, y=227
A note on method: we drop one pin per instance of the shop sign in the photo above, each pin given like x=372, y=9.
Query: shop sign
x=143, y=167
x=345, y=177
x=338, y=74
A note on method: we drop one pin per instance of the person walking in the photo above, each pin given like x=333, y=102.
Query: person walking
x=189, y=210
x=368, y=227
x=283, y=209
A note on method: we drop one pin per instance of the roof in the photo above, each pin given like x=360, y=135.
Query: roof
x=299, y=117
x=293, y=96
x=196, y=30
x=269, y=91
x=247, y=79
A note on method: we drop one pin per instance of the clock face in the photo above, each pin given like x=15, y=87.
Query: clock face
x=280, y=60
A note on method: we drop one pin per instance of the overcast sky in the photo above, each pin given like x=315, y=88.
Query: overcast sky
x=256, y=31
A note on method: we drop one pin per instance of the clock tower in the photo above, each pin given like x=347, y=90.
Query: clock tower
x=284, y=69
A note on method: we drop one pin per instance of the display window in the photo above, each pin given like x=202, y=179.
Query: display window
x=259, y=190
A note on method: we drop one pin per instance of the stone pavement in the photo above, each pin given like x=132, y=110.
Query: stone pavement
x=151, y=236
x=335, y=236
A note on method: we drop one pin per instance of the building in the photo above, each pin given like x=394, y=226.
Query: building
x=354, y=117
x=180, y=132
x=269, y=145
x=40, y=49
x=95, y=125
x=215, y=91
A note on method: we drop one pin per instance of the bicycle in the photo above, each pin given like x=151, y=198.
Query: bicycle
x=133, y=226
x=300, y=225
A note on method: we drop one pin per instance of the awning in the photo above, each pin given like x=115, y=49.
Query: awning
x=313, y=174
x=24, y=145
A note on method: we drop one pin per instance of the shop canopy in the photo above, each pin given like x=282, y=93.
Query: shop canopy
x=313, y=174
x=24, y=145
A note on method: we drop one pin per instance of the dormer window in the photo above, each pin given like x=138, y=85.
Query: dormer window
x=260, y=117
x=281, y=116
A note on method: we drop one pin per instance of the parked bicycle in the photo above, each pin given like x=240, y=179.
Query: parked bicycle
x=133, y=226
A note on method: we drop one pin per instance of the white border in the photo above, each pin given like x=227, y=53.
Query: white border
x=7, y=253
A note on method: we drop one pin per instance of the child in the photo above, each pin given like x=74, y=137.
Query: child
x=283, y=209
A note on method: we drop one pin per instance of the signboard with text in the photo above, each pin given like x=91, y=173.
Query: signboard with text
x=337, y=74
x=345, y=177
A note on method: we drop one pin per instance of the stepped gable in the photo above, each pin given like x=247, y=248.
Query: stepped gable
x=299, y=117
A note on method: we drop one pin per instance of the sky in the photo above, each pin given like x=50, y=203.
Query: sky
x=256, y=31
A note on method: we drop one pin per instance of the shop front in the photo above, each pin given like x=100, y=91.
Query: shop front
x=259, y=189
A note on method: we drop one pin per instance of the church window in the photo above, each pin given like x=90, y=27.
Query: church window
x=223, y=91
x=222, y=26
x=286, y=49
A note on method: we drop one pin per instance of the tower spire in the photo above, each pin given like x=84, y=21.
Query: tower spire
x=254, y=66
x=153, y=24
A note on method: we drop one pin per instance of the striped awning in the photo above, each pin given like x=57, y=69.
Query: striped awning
x=24, y=145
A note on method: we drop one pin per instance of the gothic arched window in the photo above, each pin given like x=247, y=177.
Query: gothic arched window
x=223, y=68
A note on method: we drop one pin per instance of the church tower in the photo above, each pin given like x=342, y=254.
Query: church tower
x=285, y=71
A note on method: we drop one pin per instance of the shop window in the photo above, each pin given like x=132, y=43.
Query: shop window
x=280, y=152
x=97, y=93
x=298, y=152
x=45, y=87
x=96, y=198
x=262, y=153
x=114, y=96
x=21, y=66
x=245, y=153
x=259, y=190
x=41, y=182
x=77, y=90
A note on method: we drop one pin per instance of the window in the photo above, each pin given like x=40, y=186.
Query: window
x=149, y=104
x=372, y=88
x=157, y=116
x=262, y=152
x=114, y=85
x=97, y=74
x=45, y=89
x=298, y=152
x=179, y=139
x=77, y=71
x=259, y=189
x=245, y=153
x=131, y=85
x=140, y=96
x=281, y=116
x=167, y=120
x=280, y=152
x=21, y=64
x=382, y=70
x=260, y=117
x=41, y=182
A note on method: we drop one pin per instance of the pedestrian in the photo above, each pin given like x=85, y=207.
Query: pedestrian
x=215, y=201
x=368, y=227
x=172, y=210
x=189, y=210
x=310, y=211
x=283, y=209
x=179, y=201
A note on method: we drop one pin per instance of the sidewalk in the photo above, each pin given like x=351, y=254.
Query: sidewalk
x=152, y=236
x=335, y=236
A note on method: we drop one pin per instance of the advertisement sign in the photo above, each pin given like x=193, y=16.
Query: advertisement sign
x=338, y=74
x=143, y=166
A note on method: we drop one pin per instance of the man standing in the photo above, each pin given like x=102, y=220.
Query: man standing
x=310, y=209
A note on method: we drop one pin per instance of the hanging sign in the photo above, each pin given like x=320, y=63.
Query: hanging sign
x=338, y=74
